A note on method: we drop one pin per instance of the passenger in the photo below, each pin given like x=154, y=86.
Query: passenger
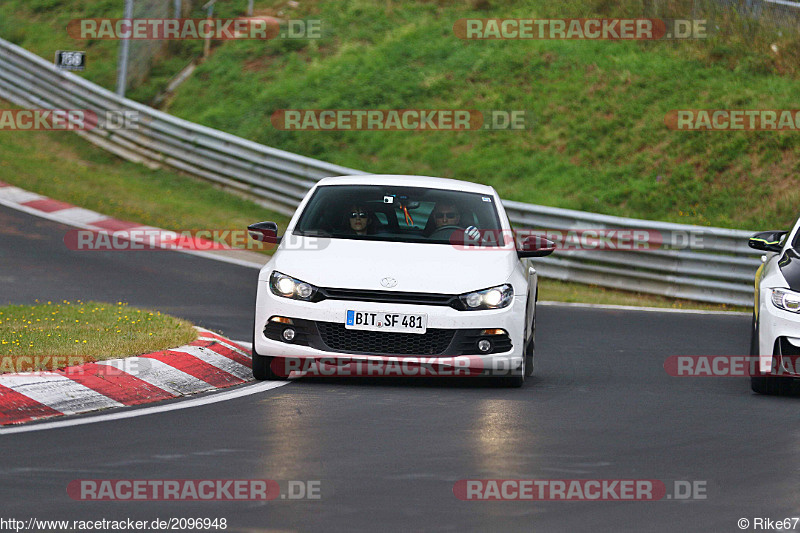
x=359, y=220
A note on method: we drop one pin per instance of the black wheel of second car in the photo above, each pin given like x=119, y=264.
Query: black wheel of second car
x=758, y=383
x=765, y=383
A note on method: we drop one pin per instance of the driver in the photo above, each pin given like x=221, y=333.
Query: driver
x=448, y=214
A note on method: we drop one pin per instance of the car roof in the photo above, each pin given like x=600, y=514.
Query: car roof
x=409, y=181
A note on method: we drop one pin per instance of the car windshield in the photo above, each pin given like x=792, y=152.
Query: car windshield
x=401, y=214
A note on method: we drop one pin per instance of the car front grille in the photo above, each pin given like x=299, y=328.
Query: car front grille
x=334, y=337
x=361, y=295
x=337, y=338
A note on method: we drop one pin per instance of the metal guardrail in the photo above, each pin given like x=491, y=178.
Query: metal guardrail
x=720, y=269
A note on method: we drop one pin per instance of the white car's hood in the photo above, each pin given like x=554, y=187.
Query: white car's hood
x=357, y=264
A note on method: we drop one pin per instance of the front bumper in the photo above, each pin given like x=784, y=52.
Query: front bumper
x=450, y=341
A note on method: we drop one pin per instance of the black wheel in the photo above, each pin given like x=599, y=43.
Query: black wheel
x=515, y=381
x=757, y=383
x=263, y=365
x=529, y=346
x=765, y=384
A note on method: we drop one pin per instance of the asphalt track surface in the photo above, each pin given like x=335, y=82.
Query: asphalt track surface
x=387, y=451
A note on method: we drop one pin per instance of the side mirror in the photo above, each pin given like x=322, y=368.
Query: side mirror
x=535, y=246
x=264, y=232
x=767, y=241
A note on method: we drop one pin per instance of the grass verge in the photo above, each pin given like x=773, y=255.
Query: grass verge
x=561, y=291
x=47, y=336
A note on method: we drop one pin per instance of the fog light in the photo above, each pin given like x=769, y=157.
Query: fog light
x=288, y=334
x=484, y=345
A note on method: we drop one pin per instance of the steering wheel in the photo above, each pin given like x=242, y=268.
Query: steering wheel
x=442, y=229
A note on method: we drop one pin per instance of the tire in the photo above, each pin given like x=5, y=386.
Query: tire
x=758, y=384
x=263, y=364
x=529, y=346
x=515, y=381
x=768, y=385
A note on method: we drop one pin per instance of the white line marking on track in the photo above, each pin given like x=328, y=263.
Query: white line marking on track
x=648, y=309
x=41, y=214
x=10, y=201
x=244, y=390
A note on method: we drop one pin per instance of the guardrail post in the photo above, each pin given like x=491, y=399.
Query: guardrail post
x=209, y=6
x=124, y=50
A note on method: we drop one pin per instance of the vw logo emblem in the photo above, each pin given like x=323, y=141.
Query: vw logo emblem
x=388, y=282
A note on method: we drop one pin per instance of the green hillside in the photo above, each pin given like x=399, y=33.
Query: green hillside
x=599, y=142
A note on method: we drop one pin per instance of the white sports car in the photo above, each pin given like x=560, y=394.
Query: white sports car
x=776, y=314
x=384, y=269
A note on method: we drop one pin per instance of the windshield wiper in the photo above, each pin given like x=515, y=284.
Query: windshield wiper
x=313, y=233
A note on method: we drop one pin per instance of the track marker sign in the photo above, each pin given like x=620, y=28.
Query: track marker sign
x=66, y=60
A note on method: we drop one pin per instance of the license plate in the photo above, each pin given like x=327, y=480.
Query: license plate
x=380, y=321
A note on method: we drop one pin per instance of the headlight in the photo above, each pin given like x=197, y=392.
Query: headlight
x=786, y=300
x=288, y=287
x=493, y=298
